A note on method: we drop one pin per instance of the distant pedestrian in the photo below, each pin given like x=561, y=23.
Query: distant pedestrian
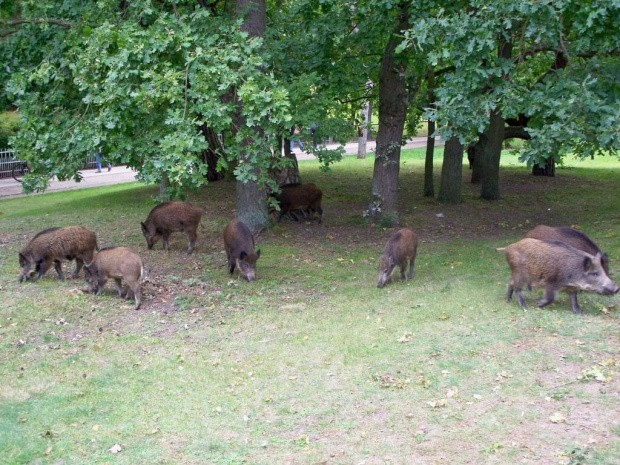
x=313, y=134
x=98, y=157
x=296, y=138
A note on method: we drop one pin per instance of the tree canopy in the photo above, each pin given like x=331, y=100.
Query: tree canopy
x=146, y=80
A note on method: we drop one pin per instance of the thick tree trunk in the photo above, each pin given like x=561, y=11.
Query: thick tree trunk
x=547, y=170
x=429, y=186
x=251, y=197
x=392, y=115
x=451, y=172
x=491, y=156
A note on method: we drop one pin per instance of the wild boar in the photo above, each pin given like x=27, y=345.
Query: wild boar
x=304, y=197
x=401, y=248
x=169, y=217
x=55, y=245
x=118, y=263
x=553, y=266
x=239, y=245
x=572, y=237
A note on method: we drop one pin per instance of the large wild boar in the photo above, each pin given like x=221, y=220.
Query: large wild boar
x=569, y=236
x=299, y=197
x=118, y=263
x=239, y=245
x=553, y=266
x=169, y=217
x=401, y=248
x=55, y=245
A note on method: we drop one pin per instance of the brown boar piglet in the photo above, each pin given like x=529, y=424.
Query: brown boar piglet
x=118, y=263
x=400, y=248
x=55, y=245
x=239, y=245
x=169, y=217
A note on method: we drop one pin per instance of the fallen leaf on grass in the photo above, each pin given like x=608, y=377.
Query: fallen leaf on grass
x=437, y=403
x=595, y=373
x=557, y=417
x=407, y=337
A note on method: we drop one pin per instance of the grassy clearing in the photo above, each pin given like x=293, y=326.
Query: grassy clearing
x=312, y=363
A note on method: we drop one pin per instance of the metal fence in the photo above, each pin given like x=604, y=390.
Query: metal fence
x=9, y=163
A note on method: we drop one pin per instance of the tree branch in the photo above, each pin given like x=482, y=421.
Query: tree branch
x=516, y=132
x=55, y=22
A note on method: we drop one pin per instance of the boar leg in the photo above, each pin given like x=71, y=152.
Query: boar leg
x=549, y=297
x=165, y=237
x=191, y=238
x=573, y=301
x=411, y=265
x=231, y=264
x=78, y=266
x=320, y=212
x=119, y=287
x=100, y=284
x=57, y=267
x=403, y=268
x=135, y=290
x=509, y=292
x=520, y=299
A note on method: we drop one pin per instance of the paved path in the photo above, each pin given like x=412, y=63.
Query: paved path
x=120, y=174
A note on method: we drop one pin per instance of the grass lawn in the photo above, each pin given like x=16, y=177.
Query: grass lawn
x=311, y=363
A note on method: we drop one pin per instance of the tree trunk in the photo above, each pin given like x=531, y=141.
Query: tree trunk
x=429, y=186
x=392, y=115
x=251, y=197
x=212, y=154
x=163, y=187
x=491, y=156
x=451, y=172
x=289, y=174
x=477, y=158
x=363, y=136
x=429, y=183
x=547, y=170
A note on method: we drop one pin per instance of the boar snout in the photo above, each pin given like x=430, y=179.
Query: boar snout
x=611, y=290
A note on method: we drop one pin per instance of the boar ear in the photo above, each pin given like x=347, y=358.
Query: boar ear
x=242, y=255
x=587, y=264
x=258, y=253
x=143, y=227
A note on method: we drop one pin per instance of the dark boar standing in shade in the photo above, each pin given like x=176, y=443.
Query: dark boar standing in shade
x=303, y=197
x=400, y=249
x=571, y=237
x=554, y=266
x=169, y=217
x=55, y=245
x=118, y=263
x=239, y=245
